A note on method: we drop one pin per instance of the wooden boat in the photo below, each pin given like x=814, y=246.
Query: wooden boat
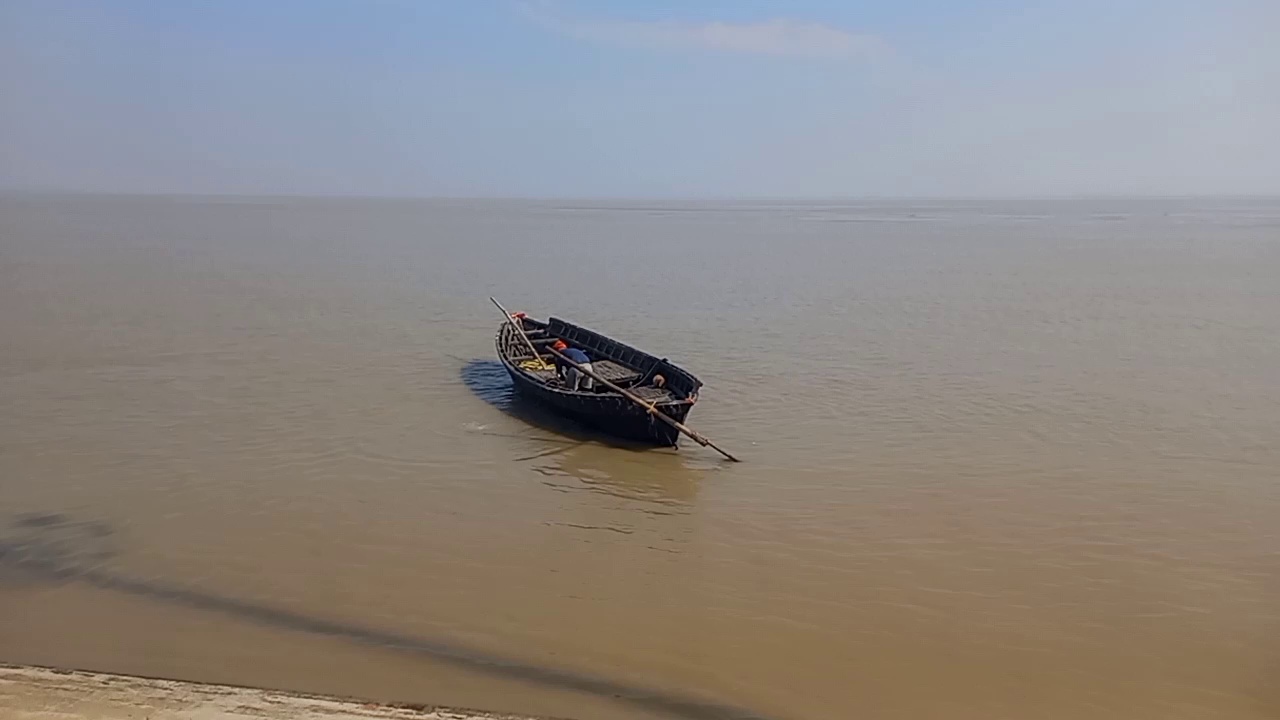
x=673, y=393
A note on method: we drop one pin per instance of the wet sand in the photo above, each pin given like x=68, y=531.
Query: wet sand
x=30, y=693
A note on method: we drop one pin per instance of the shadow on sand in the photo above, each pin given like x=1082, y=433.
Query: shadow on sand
x=54, y=549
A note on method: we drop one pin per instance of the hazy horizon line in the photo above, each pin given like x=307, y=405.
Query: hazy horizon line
x=37, y=191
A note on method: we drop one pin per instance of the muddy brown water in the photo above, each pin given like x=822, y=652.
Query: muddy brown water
x=1004, y=459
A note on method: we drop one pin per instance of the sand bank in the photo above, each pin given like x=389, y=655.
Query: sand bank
x=28, y=693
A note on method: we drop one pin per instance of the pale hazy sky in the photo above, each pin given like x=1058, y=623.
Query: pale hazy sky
x=641, y=97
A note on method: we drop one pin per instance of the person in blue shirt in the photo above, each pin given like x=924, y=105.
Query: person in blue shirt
x=573, y=379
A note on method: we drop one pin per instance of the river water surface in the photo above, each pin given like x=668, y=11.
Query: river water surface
x=1005, y=459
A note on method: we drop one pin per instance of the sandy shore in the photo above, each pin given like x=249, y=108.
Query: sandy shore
x=28, y=693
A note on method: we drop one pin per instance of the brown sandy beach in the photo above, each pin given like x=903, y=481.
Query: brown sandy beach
x=30, y=693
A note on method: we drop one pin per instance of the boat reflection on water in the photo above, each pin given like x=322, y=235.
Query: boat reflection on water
x=663, y=477
x=595, y=461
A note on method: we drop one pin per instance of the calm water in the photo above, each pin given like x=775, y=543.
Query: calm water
x=1003, y=459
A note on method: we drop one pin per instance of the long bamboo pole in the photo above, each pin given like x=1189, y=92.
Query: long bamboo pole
x=517, y=327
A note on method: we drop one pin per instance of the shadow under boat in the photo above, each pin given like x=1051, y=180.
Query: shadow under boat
x=645, y=473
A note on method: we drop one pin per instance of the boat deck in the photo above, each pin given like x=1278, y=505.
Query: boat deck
x=611, y=361
x=614, y=373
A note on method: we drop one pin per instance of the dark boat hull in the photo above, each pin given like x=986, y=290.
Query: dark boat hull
x=607, y=412
x=610, y=414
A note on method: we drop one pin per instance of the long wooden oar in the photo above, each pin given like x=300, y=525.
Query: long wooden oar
x=650, y=407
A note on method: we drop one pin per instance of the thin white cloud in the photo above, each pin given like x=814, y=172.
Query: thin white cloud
x=779, y=37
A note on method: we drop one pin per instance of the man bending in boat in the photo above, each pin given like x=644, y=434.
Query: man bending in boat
x=573, y=379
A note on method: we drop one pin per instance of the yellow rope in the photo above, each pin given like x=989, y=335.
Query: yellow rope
x=538, y=364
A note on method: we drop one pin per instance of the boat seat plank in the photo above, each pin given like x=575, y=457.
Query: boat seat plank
x=649, y=393
x=613, y=372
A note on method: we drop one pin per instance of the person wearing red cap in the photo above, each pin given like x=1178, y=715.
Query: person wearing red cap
x=561, y=366
x=573, y=379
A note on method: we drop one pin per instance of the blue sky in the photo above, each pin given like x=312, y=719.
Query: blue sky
x=631, y=98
